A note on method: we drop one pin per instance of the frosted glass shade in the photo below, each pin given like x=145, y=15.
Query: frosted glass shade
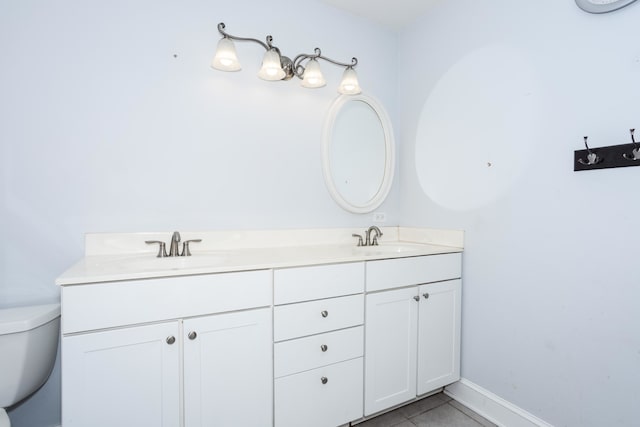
x=271, y=67
x=226, y=58
x=349, y=84
x=312, y=75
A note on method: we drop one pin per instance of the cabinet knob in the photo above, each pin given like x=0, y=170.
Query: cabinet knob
x=171, y=339
x=417, y=298
x=324, y=347
x=192, y=335
x=324, y=313
x=324, y=380
x=426, y=295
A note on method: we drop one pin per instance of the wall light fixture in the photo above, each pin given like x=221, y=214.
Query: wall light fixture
x=276, y=66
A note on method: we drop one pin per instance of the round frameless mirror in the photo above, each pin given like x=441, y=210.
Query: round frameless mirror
x=358, y=153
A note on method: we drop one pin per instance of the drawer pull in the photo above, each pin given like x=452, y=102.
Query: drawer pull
x=192, y=335
x=324, y=380
x=171, y=339
x=426, y=295
x=417, y=298
x=324, y=347
x=324, y=313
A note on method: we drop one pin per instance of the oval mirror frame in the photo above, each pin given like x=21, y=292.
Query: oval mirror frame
x=389, y=155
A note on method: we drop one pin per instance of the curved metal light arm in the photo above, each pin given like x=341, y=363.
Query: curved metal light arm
x=299, y=69
x=266, y=45
x=291, y=68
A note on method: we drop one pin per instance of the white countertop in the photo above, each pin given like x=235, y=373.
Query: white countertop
x=111, y=258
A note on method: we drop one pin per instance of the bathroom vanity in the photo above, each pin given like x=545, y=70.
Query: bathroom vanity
x=264, y=328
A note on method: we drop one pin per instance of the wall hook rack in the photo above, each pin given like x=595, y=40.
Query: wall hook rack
x=612, y=156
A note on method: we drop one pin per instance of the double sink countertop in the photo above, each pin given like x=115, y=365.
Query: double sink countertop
x=125, y=256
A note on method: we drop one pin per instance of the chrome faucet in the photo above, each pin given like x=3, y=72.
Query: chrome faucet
x=372, y=242
x=173, y=247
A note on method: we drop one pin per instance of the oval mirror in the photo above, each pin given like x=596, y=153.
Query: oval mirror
x=358, y=153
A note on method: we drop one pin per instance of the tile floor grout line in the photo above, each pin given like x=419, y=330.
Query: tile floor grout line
x=471, y=413
x=401, y=419
x=462, y=412
x=428, y=410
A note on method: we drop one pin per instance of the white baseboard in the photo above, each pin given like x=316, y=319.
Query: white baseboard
x=492, y=407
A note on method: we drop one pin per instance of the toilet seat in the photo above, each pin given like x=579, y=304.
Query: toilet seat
x=4, y=418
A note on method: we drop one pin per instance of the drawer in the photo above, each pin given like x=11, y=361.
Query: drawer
x=314, y=317
x=303, y=399
x=399, y=272
x=324, y=281
x=312, y=352
x=107, y=305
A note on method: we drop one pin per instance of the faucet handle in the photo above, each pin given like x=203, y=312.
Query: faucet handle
x=374, y=241
x=360, y=243
x=162, y=249
x=185, y=246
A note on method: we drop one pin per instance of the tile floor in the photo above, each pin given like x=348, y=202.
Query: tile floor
x=438, y=410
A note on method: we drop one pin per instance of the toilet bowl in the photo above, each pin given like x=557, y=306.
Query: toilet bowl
x=28, y=346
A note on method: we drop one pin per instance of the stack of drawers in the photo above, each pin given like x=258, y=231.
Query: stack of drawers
x=318, y=350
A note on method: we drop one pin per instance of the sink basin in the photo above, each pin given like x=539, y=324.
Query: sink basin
x=388, y=248
x=149, y=262
x=178, y=263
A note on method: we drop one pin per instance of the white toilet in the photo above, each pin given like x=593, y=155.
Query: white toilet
x=28, y=347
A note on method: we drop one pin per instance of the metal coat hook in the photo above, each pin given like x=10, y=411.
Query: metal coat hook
x=635, y=153
x=592, y=158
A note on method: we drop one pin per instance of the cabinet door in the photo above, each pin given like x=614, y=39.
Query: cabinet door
x=390, y=348
x=228, y=374
x=125, y=377
x=438, y=335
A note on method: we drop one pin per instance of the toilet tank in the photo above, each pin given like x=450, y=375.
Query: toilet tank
x=28, y=346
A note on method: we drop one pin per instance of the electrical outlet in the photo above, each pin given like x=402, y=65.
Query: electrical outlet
x=379, y=217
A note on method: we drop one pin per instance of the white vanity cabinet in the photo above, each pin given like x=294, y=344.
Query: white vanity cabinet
x=318, y=349
x=318, y=335
x=412, y=330
x=187, y=351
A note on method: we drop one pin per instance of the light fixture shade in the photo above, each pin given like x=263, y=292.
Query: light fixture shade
x=312, y=76
x=271, y=67
x=226, y=58
x=349, y=84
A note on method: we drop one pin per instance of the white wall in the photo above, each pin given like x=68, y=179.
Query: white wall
x=551, y=297
x=103, y=129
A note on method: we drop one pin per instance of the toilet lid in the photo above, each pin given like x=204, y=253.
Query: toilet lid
x=20, y=319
